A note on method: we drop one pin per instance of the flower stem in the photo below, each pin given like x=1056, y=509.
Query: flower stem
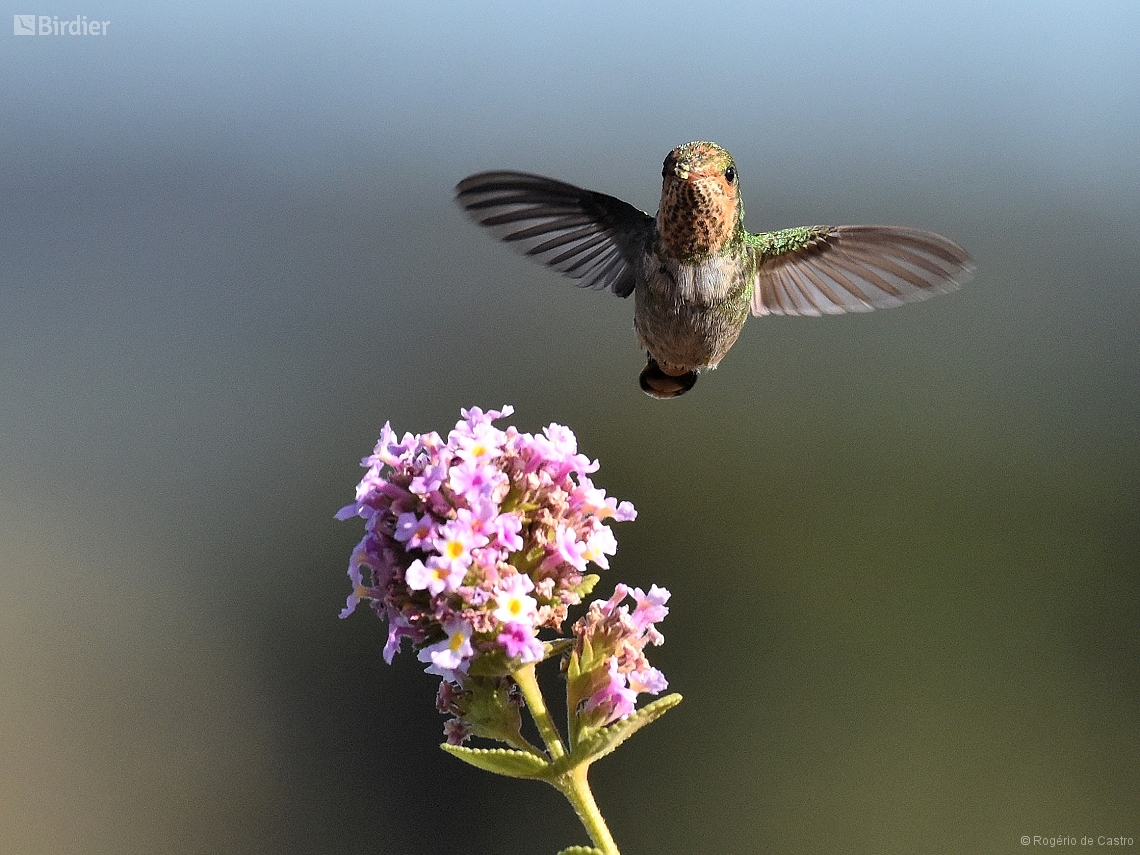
x=572, y=783
x=531, y=693
x=577, y=790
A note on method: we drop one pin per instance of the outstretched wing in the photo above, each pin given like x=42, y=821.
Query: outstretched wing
x=828, y=270
x=586, y=235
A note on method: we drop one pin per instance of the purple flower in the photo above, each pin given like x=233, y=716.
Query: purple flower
x=650, y=680
x=518, y=640
x=569, y=549
x=591, y=500
x=614, y=699
x=506, y=528
x=435, y=577
x=429, y=479
x=475, y=544
x=513, y=606
x=398, y=630
x=456, y=730
x=650, y=608
x=610, y=637
x=481, y=444
x=449, y=658
x=600, y=543
x=476, y=479
x=413, y=530
x=455, y=542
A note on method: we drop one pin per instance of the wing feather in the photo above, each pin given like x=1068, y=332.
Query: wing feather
x=834, y=269
x=587, y=236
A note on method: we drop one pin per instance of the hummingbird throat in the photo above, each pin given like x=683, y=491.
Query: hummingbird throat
x=697, y=216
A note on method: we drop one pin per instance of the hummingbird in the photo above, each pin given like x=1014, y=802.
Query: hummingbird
x=694, y=271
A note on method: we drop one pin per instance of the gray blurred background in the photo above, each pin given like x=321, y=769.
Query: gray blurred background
x=903, y=547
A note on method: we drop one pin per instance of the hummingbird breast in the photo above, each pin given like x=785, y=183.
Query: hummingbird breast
x=688, y=315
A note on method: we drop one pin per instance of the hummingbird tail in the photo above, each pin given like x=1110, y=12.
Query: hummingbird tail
x=657, y=384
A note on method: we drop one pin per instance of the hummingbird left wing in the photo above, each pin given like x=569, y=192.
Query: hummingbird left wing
x=828, y=270
x=588, y=236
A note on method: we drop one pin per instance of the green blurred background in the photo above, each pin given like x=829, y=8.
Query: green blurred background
x=903, y=547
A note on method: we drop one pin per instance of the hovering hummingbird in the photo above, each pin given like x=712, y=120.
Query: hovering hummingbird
x=694, y=271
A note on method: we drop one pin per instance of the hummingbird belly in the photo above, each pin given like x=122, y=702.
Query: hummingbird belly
x=687, y=316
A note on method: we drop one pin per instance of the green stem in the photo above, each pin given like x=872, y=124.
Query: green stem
x=572, y=783
x=528, y=684
x=575, y=787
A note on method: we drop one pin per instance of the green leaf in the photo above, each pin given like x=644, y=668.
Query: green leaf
x=604, y=740
x=556, y=647
x=501, y=761
x=586, y=586
x=573, y=668
x=581, y=850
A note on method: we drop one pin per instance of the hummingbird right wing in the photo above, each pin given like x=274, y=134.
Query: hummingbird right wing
x=588, y=236
x=829, y=270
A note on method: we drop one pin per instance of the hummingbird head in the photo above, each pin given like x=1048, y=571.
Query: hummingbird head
x=701, y=212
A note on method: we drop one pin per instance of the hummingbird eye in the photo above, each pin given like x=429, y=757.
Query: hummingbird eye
x=730, y=174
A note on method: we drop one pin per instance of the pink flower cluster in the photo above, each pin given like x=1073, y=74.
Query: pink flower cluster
x=610, y=642
x=475, y=544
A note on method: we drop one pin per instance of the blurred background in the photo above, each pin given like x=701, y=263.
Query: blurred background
x=903, y=547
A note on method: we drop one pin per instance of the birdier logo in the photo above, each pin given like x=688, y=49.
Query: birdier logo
x=51, y=25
